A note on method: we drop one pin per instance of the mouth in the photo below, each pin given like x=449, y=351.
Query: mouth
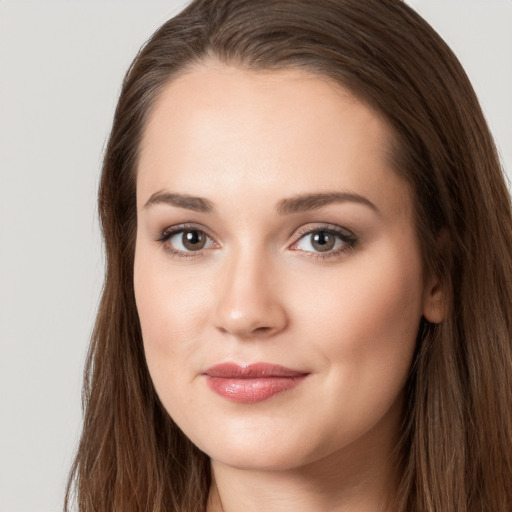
x=252, y=382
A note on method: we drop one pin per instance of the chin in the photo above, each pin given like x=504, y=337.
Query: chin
x=262, y=451
x=257, y=460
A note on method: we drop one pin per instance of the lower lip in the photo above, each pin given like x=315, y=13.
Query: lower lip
x=252, y=390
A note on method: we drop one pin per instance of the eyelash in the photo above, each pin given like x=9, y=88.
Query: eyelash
x=348, y=239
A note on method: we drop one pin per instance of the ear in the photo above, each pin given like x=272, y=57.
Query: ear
x=435, y=298
x=434, y=301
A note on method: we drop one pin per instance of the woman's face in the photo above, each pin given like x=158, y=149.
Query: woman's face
x=278, y=277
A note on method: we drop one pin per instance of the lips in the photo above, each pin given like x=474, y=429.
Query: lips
x=253, y=382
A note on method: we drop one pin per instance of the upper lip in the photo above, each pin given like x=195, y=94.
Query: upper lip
x=251, y=371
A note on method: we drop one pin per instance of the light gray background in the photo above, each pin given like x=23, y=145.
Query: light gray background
x=61, y=66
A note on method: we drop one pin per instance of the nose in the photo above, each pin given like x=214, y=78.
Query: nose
x=249, y=300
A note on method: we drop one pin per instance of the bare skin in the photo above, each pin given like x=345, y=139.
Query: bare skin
x=272, y=228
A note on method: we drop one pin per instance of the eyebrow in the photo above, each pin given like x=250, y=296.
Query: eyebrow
x=308, y=202
x=197, y=204
x=295, y=204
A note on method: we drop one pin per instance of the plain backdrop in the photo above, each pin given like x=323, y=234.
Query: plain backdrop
x=61, y=66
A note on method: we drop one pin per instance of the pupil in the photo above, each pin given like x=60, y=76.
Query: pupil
x=193, y=240
x=323, y=241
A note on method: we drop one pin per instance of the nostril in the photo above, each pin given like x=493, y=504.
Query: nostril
x=262, y=330
x=258, y=331
x=249, y=331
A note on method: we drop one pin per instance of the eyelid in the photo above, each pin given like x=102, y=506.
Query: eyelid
x=331, y=228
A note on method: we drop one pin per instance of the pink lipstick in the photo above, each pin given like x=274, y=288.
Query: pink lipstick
x=253, y=382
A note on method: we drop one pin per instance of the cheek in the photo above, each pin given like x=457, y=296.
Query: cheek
x=171, y=313
x=368, y=318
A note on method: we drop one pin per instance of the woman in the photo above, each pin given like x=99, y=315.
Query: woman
x=309, y=278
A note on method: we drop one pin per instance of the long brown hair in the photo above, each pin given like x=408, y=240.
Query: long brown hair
x=456, y=449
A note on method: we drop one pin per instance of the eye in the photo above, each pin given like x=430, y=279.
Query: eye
x=189, y=240
x=180, y=240
x=329, y=241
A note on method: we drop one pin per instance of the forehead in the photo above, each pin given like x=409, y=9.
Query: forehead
x=219, y=127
